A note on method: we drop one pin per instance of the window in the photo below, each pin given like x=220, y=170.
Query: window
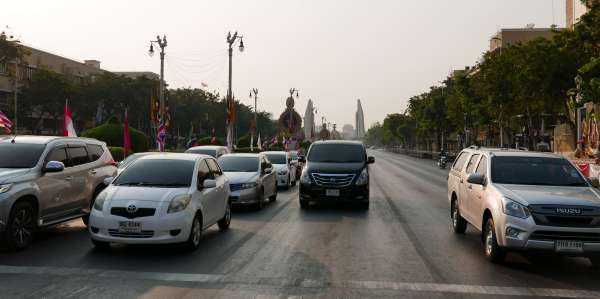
x=60, y=155
x=543, y=171
x=276, y=158
x=239, y=164
x=203, y=172
x=337, y=153
x=482, y=167
x=471, y=164
x=460, y=161
x=95, y=152
x=20, y=155
x=214, y=168
x=3, y=69
x=157, y=172
x=78, y=156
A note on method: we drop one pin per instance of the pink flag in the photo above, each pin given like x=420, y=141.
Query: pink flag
x=5, y=123
x=126, y=137
x=68, y=128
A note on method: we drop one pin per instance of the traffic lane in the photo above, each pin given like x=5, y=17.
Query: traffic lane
x=461, y=258
x=69, y=245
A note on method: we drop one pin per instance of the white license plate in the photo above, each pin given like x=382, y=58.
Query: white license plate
x=332, y=192
x=569, y=246
x=130, y=227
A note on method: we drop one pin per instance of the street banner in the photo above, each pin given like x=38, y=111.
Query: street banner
x=68, y=127
x=258, y=143
x=5, y=123
x=161, y=136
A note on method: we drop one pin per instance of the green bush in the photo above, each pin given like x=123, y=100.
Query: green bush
x=244, y=141
x=116, y=152
x=111, y=132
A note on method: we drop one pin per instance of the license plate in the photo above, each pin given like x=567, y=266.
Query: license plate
x=332, y=192
x=130, y=227
x=569, y=246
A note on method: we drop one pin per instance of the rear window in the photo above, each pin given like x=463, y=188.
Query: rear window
x=210, y=152
x=20, y=155
x=276, y=158
x=239, y=164
x=158, y=172
x=77, y=156
x=460, y=161
x=535, y=171
x=95, y=152
x=337, y=153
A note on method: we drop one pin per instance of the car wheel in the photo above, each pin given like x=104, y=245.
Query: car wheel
x=595, y=260
x=459, y=224
x=304, y=204
x=226, y=220
x=274, y=196
x=195, y=234
x=493, y=251
x=101, y=245
x=21, y=226
x=364, y=205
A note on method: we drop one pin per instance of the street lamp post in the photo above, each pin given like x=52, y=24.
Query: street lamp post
x=231, y=39
x=162, y=44
x=255, y=92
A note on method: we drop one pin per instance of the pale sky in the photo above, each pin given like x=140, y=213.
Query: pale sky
x=381, y=51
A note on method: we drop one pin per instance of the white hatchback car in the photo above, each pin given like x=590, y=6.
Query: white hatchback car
x=167, y=198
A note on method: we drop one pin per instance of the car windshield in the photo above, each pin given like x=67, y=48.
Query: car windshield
x=239, y=164
x=20, y=155
x=276, y=158
x=535, y=171
x=337, y=153
x=128, y=160
x=203, y=151
x=157, y=173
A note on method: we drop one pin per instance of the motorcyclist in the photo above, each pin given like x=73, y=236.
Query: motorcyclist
x=443, y=158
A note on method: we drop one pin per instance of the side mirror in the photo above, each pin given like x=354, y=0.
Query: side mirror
x=209, y=184
x=595, y=182
x=476, y=178
x=54, y=166
x=108, y=180
x=302, y=159
x=370, y=160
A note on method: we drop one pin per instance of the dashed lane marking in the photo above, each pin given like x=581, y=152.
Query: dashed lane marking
x=306, y=284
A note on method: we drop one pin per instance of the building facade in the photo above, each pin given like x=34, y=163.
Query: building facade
x=510, y=36
x=575, y=9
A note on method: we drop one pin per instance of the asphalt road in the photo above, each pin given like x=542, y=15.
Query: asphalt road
x=402, y=247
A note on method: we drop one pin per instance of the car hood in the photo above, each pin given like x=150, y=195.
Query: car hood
x=335, y=167
x=131, y=193
x=528, y=194
x=11, y=175
x=241, y=177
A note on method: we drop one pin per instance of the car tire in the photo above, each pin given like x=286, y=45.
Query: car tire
x=21, y=226
x=101, y=245
x=289, y=182
x=304, y=204
x=273, y=197
x=195, y=234
x=364, y=205
x=493, y=252
x=459, y=224
x=595, y=260
x=224, y=222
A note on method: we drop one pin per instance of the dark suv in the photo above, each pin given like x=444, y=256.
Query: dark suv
x=335, y=171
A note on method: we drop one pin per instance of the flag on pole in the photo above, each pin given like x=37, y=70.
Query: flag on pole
x=252, y=142
x=274, y=140
x=213, y=140
x=161, y=136
x=258, y=143
x=126, y=137
x=5, y=123
x=68, y=128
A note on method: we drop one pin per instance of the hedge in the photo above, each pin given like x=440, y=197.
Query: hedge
x=206, y=141
x=244, y=141
x=111, y=132
x=116, y=152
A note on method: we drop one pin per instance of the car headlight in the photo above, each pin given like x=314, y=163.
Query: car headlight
x=305, y=178
x=363, y=178
x=515, y=209
x=99, y=202
x=179, y=203
x=249, y=185
x=5, y=187
x=283, y=172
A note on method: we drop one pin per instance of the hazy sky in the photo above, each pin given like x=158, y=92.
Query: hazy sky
x=381, y=51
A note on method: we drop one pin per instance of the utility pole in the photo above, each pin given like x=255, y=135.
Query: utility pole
x=231, y=39
x=255, y=92
x=162, y=44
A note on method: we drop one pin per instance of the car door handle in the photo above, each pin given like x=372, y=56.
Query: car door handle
x=68, y=178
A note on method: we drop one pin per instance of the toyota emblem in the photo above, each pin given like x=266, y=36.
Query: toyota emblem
x=131, y=209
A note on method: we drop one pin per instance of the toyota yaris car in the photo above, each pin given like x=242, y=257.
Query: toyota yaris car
x=169, y=198
x=525, y=201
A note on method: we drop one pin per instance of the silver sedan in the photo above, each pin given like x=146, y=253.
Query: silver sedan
x=251, y=179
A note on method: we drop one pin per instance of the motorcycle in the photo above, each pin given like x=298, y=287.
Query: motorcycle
x=442, y=162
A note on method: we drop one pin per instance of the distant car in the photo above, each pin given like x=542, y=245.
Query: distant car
x=284, y=167
x=525, y=201
x=336, y=172
x=47, y=180
x=294, y=156
x=132, y=158
x=169, y=198
x=215, y=151
x=251, y=179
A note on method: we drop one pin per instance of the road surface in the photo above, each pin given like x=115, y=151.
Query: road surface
x=402, y=247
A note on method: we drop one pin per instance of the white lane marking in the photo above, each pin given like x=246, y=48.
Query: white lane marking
x=307, y=283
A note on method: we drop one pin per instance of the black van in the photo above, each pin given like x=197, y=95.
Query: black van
x=336, y=171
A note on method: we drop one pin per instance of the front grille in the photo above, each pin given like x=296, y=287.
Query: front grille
x=333, y=180
x=574, y=236
x=235, y=187
x=548, y=215
x=141, y=212
x=141, y=235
